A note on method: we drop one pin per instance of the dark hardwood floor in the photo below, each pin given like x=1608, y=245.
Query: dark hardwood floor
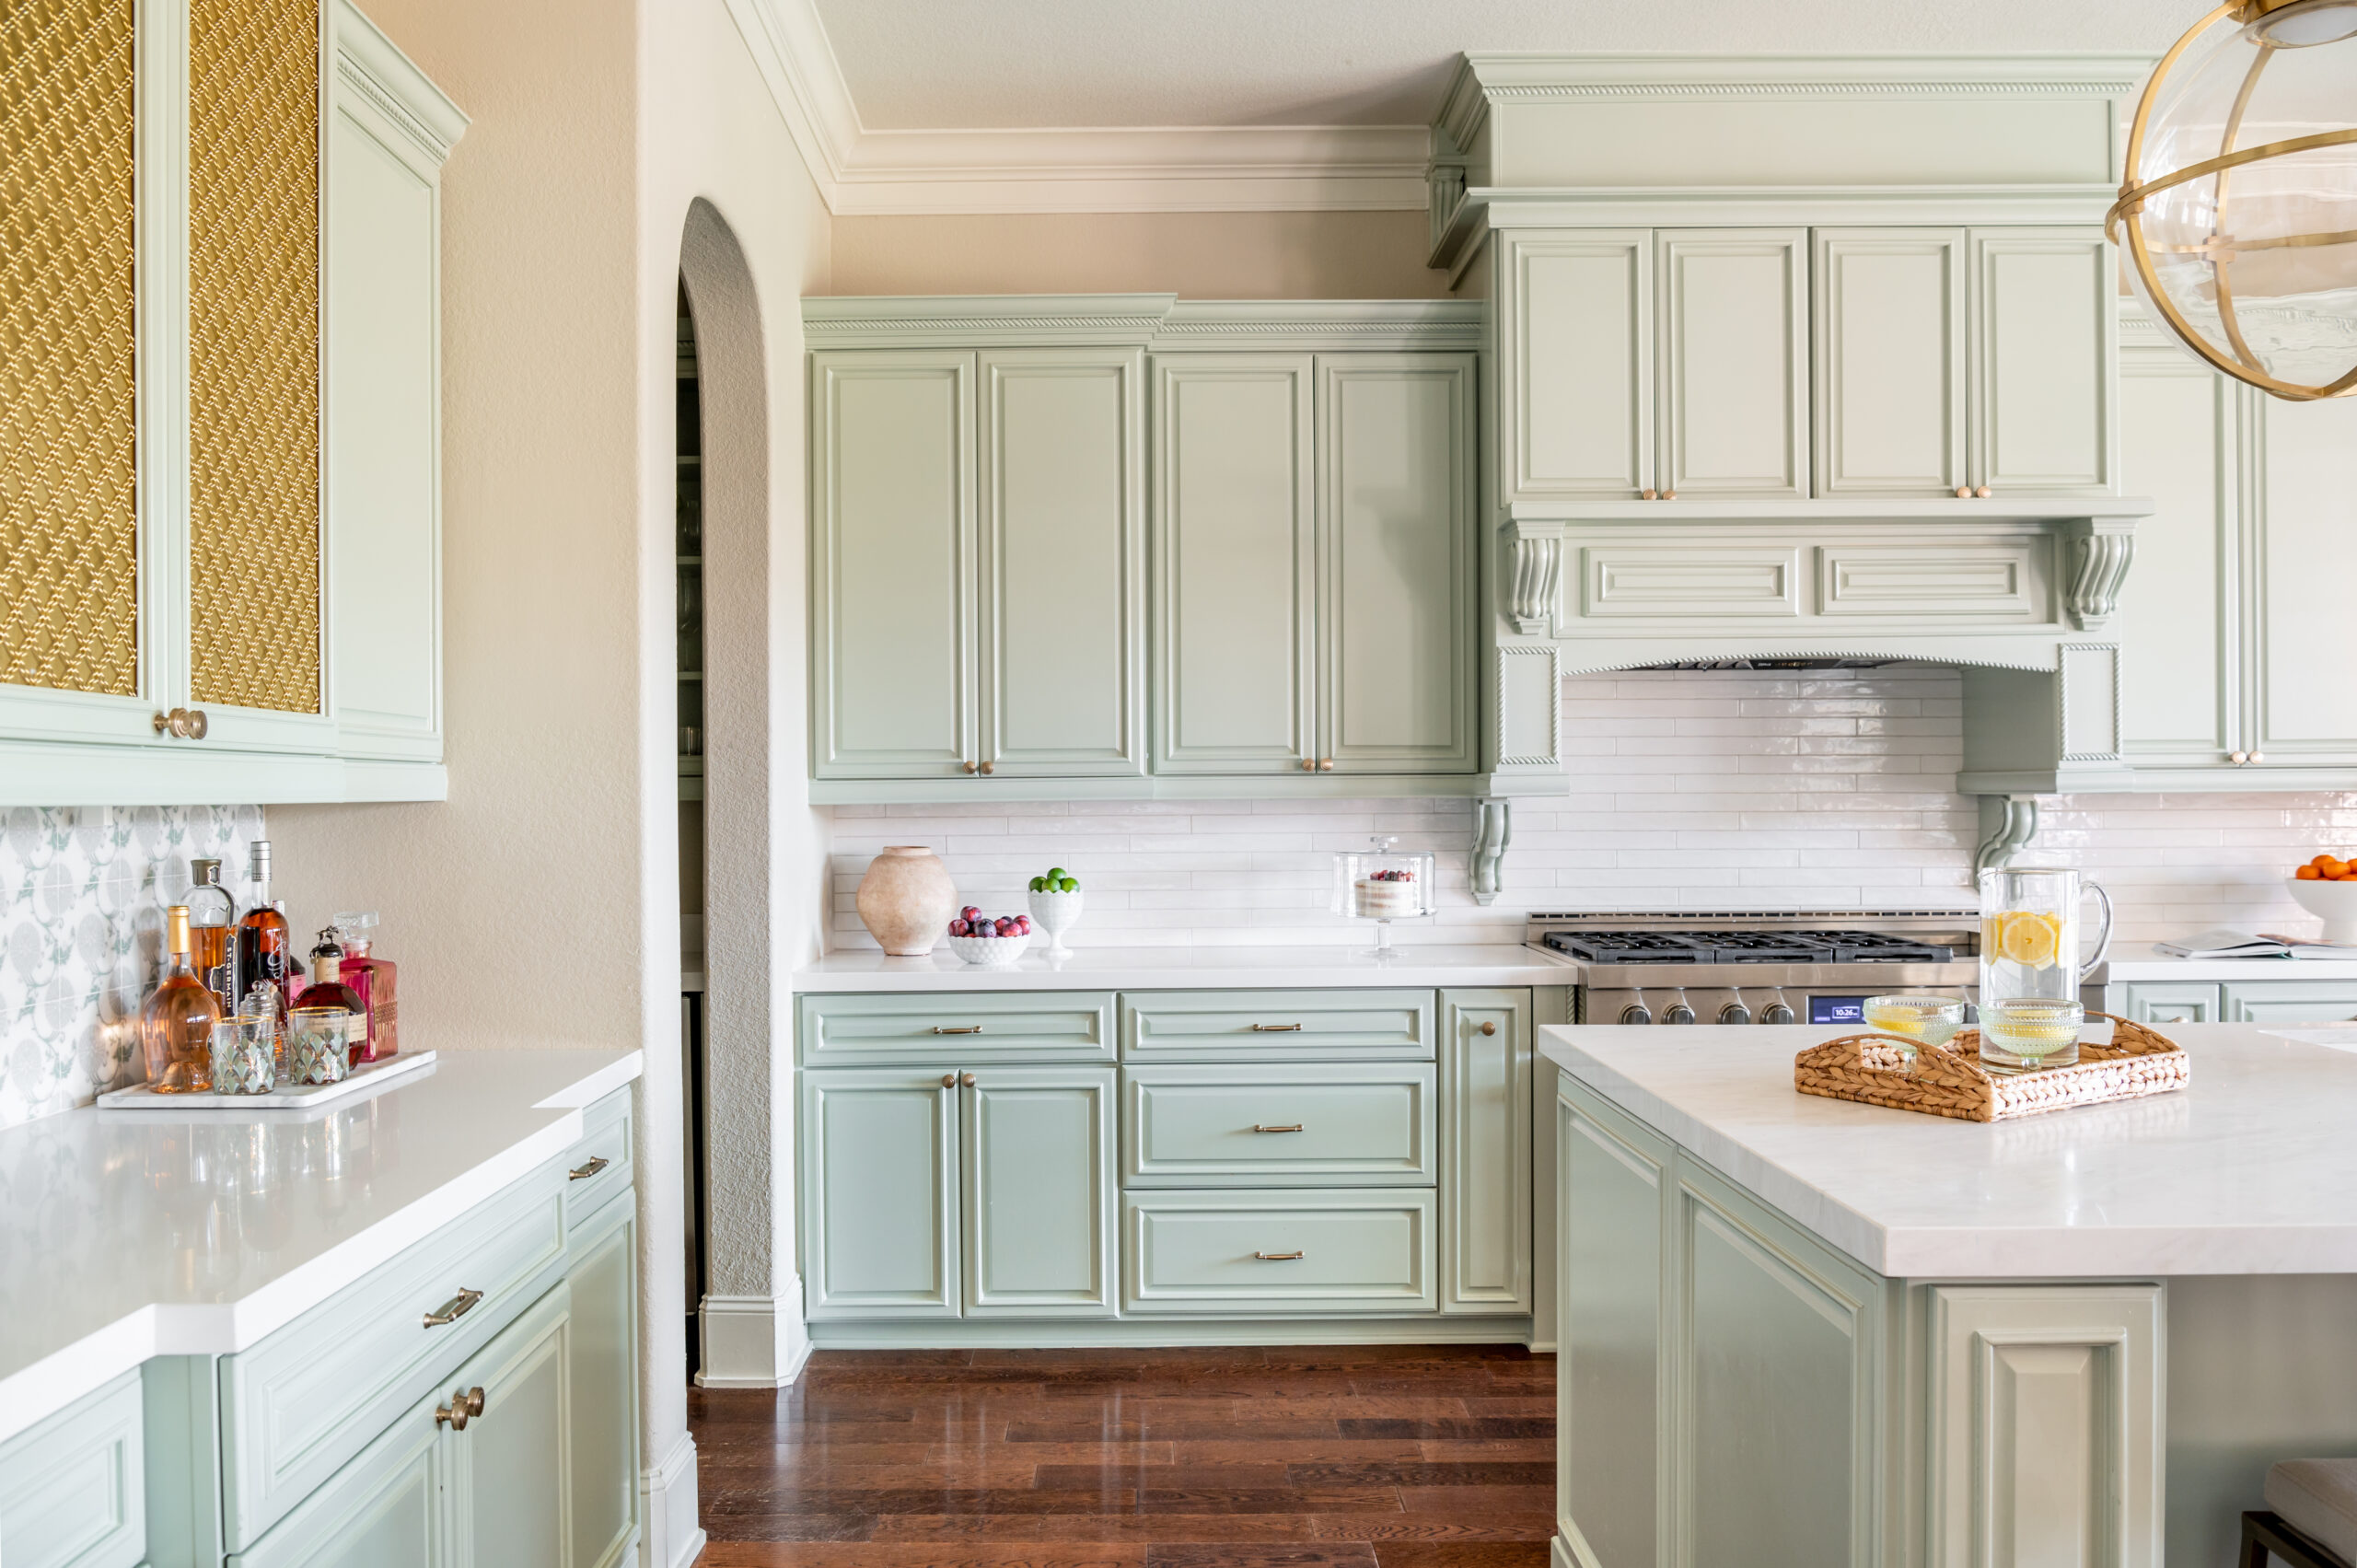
x=1356, y=1456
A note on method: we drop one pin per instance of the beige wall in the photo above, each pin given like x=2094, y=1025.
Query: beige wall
x=1195, y=255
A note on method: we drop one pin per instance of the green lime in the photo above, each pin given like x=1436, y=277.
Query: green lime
x=1067, y=886
x=1038, y=884
x=1055, y=874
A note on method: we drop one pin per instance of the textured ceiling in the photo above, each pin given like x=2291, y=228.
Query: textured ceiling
x=932, y=64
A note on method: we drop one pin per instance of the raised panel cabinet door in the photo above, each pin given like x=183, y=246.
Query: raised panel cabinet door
x=1062, y=590
x=1574, y=365
x=512, y=1477
x=2170, y=1003
x=1732, y=356
x=2045, y=336
x=879, y=1193
x=1039, y=1153
x=2180, y=666
x=2303, y=534
x=603, y=1396
x=893, y=629
x=73, y=1488
x=1234, y=553
x=1485, y=1076
x=389, y=1507
x=2289, y=1001
x=1887, y=330
x=1395, y=562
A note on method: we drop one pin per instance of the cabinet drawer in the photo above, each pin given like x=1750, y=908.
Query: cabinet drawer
x=1276, y=1025
x=2291, y=1002
x=1234, y=1252
x=1293, y=1126
x=73, y=1489
x=300, y=1403
x=600, y=1164
x=882, y=1031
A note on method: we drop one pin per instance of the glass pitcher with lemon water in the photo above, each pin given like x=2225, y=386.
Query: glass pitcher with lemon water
x=2030, y=968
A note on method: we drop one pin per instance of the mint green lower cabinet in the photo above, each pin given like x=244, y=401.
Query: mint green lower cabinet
x=880, y=1175
x=512, y=1478
x=2289, y=1001
x=2165, y=1004
x=602, y=1393
x=1276, y=1025
x=1320, y=1253
x=1487, y=1050
x=1036, y=1147
x=386, y=1509
x=73, y=1489
x=1300, y=1125
x=960, y=1030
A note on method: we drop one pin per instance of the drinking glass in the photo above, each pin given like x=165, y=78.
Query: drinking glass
x=245, y=1055
x=2025, y=1034
x=1926, y=1020
x=319, y=1045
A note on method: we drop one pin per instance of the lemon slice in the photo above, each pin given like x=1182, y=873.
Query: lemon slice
x=2029, y=937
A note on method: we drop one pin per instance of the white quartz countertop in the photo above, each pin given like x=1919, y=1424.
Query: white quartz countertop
x=1190, y=968
x=2141, y=963
x=2251, y=1169
x=127, y=1236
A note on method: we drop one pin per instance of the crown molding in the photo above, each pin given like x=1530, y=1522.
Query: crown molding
x=1113, y=169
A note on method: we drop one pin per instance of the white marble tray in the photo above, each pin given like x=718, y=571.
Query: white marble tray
x=287, y=1097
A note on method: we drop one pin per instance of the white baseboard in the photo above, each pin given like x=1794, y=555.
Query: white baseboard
x=752, y=1342
x=670, y=1536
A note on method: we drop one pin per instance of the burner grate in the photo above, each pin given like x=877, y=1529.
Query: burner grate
x=1746, y=947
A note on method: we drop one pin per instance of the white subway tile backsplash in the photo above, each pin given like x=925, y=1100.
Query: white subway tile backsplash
x=1725, y=790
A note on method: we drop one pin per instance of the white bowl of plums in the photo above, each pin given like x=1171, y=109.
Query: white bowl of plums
x=989, y=941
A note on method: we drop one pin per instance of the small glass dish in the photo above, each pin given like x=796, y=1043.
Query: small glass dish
x=2031, y=1033
x=1926, y=1020
x=319, y=1045
x=245, y=1056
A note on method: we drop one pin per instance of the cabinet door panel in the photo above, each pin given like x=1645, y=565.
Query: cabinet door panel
x=2171, y=1003
x=513, y=1490
x=892, y=625
x=2044, y=304
x=1734, y=361
x=1234, y=556
x=1575, y=365
x=603, y=1394
x=2303, y=547
x=2179, y=666
x=1038, y=1191
x=2290, y=1002
x=1887, y=332
x=1395, y=544
x=73, y=1489
x=1063, y=566
x=1485, y=1151
x=879, y=1173
x=387, y=1508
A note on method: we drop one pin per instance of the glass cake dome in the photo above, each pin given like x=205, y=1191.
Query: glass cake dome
x=1384, y=884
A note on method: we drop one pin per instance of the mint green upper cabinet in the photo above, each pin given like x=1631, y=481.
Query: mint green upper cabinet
x=1887, y=319
x=1062, y=541
x=892, y=603
x=1574, y=365
x=2180, y=664
x=1733, y=360
x=880, y=1176
x=1395, y=562
x=2303, y=556
x=1235, y=562
x=1038, y=1151
x=2044, y=308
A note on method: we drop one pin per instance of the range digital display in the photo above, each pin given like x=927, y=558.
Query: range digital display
x=1837, y=1009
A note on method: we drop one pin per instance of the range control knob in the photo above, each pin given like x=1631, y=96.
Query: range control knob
x=1636, y=1013
x=1678, y=1013
x=1734, y=1013
x=1775, y=1012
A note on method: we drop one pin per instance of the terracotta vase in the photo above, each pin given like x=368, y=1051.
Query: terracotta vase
x=906, y=900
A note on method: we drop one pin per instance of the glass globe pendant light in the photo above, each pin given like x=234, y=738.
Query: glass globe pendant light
x=2239, y=213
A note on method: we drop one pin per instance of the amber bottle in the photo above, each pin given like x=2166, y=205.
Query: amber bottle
x=176, y=1021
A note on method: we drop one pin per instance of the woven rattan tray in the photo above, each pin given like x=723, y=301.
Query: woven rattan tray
x=1949, y=1080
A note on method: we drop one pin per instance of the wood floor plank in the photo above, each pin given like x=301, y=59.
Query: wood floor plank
x=1275, y=1555
x=1461, y=1554
x=1011, y=1554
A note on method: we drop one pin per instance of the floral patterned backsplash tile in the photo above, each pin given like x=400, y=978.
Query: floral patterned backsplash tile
x=83, y=891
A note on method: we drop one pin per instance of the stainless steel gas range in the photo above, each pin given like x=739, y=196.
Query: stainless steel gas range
x=1795, y=967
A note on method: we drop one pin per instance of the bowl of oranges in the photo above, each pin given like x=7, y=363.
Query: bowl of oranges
x=2326, y=888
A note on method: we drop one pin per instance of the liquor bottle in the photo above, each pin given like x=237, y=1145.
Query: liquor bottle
x=212, y=930
x=375, y=979
x=327, y=987
x=176, y=1021
x=265, y=947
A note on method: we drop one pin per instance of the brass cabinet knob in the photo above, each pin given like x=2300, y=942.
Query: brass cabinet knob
x=967, y=766
x=474, y=1399
x=1964, y=492
x=989, y=767
x=2259, y=756
x=1652, y=495
x=1669, y=495
x=1326, y=764
x=1309, y=764
x=967, y=1079
x=1980, y=492
x=949, y=1080
x=1488, y=1026
x=2237, y=758
x=182, y=723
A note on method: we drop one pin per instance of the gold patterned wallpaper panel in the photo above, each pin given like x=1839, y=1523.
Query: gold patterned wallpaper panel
x=69, y=534
x=254, y=352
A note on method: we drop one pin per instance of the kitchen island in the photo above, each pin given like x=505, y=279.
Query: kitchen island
x=1798, y=1330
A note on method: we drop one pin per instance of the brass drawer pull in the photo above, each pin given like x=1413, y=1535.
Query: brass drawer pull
x=464, y=1406
x=583, y=1172
x=1257, y=1127
x=454, y=1308
x=960, y=1029
x=1276, y=1028
x=1276, y=1257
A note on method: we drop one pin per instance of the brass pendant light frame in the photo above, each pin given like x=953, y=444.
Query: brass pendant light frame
x=2128, y=211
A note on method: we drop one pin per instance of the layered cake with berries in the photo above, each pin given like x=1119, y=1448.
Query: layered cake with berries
x=1389, y=895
